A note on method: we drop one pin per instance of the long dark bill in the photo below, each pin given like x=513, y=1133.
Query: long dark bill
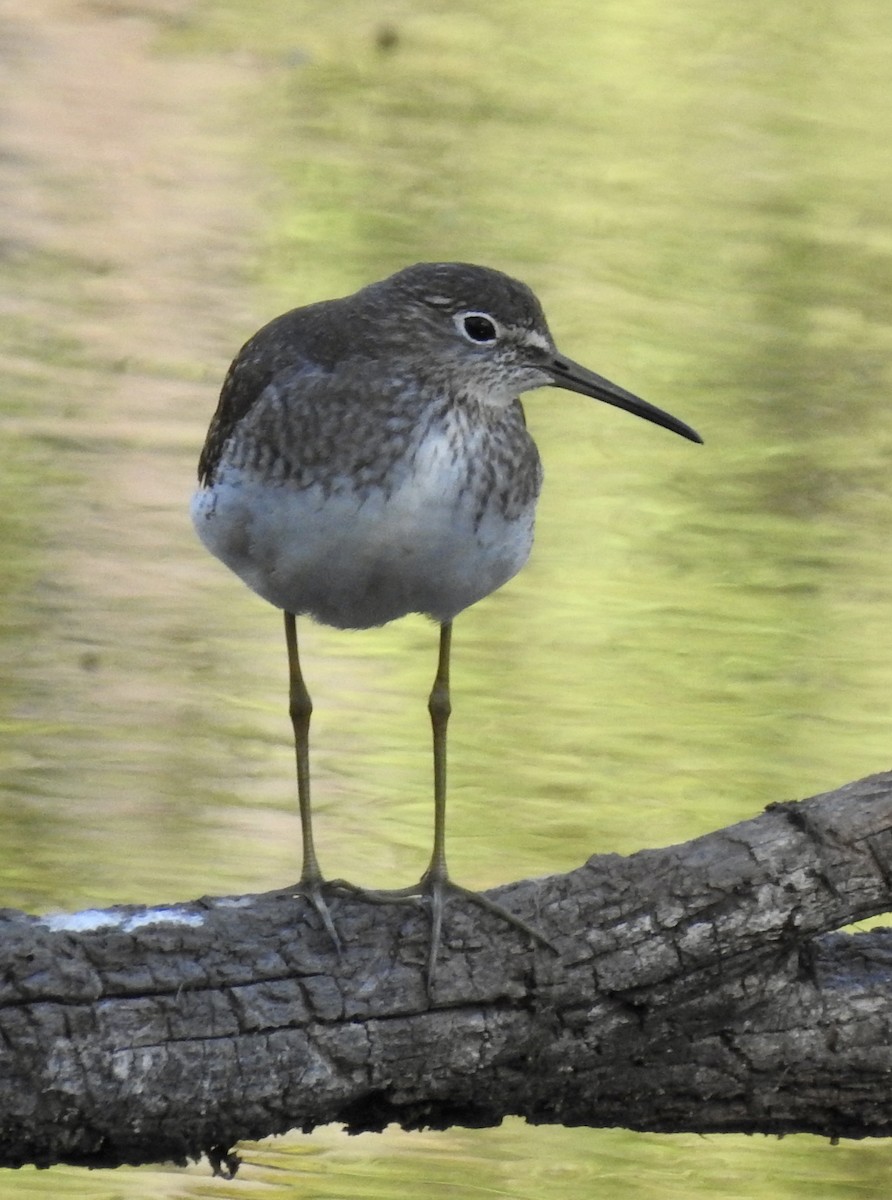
x=570, y=375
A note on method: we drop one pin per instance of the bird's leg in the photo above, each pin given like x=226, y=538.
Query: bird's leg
x=436, y=877
x=439, y=706
x=300, y=707
x=435, y=883
x=435, y=880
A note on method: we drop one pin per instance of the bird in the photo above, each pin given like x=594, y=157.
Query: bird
x=369, y=458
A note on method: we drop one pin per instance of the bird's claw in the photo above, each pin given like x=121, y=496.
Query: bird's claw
x=433, y=887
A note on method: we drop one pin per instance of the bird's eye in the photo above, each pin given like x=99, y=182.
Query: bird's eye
x=478, y=327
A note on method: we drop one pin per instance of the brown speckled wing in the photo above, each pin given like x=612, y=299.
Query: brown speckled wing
x=293, y=341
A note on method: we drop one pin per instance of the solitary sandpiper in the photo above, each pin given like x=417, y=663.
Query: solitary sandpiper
x=369, y=458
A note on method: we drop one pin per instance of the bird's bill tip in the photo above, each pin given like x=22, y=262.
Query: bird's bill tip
x=575, y=378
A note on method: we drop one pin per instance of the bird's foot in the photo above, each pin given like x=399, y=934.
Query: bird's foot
x=437, y=889
x=441, y=889
x=312, y=888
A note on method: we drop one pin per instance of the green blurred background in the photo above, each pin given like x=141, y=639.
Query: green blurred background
x=699, y=194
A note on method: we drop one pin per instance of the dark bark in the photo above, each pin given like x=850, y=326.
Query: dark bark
x=694, y=988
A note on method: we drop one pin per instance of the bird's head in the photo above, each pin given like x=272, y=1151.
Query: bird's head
x=484, y=334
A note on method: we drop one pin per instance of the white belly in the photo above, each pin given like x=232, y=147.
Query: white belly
x=354, y=560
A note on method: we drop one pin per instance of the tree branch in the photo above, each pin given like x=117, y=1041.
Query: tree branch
x=692, y=989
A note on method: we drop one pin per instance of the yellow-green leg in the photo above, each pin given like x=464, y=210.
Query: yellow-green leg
x=300, y=707
x=435, y=881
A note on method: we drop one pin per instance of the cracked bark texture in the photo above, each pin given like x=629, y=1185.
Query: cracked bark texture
x=693, y=988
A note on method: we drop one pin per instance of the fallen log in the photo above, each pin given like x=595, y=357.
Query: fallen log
x=698, y=987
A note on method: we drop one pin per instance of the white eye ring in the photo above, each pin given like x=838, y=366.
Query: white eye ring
x=479, y=328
